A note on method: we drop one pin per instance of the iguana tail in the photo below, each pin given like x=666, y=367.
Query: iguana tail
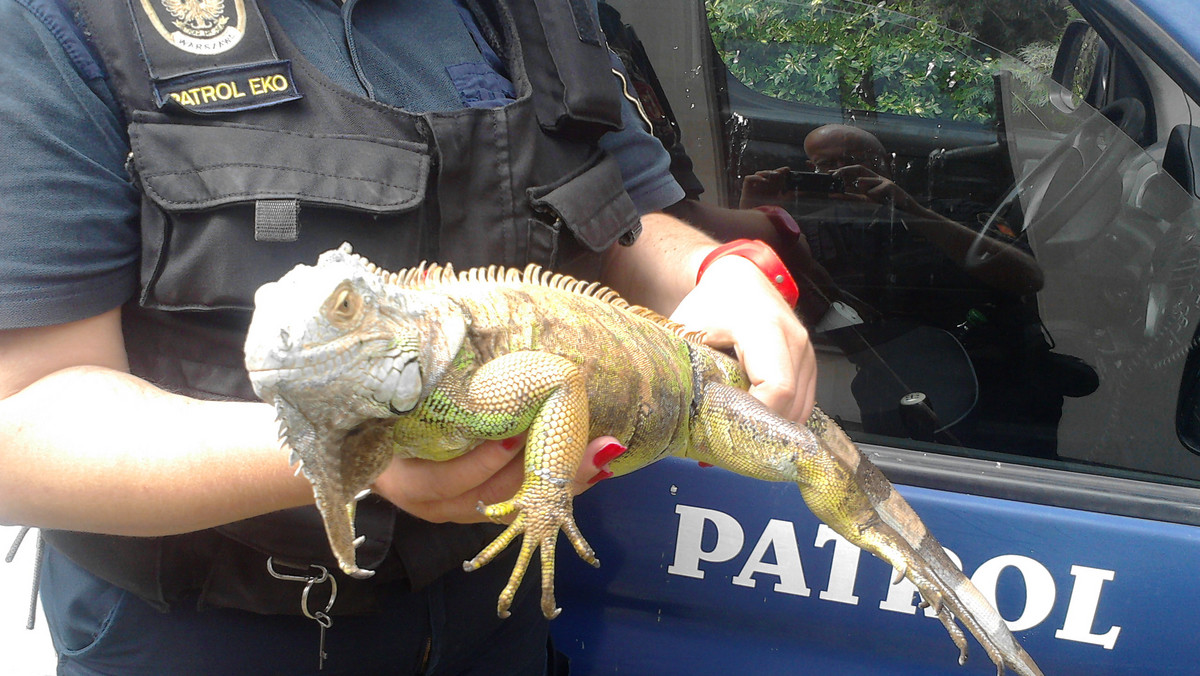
x=733, y=430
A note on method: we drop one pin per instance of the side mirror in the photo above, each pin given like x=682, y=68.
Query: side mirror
x=1080, y=53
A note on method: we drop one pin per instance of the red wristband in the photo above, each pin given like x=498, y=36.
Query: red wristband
x=764, y=257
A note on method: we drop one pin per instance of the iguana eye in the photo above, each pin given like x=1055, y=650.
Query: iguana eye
x=343, y=307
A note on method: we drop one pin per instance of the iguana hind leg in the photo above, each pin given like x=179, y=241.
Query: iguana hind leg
x=552, y=392
x=843, y=489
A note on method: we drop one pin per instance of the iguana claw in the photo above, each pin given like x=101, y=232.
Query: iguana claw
x=951, y=596
x=542, y=509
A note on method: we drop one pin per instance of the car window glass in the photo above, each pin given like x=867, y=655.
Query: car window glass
x=1025, y=288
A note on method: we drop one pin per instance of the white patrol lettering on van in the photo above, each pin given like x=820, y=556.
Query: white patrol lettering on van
x=780, y=537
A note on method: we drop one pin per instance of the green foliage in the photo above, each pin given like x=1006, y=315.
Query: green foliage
x=1008, y=26
x=856, y=56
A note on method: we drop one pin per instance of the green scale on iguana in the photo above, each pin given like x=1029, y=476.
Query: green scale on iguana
x=362, y=364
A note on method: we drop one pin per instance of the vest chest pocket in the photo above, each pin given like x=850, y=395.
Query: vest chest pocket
x=227, y=208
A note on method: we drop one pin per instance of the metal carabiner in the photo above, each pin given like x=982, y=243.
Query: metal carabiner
x=321, y=617
x=324, y=573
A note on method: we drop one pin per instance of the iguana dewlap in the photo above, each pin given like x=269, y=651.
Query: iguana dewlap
x=362, y=365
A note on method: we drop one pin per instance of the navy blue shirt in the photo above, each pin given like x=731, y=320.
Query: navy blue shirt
x=69, y=239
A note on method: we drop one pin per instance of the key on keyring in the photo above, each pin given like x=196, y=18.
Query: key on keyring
x=321, y=617
x=326, y=622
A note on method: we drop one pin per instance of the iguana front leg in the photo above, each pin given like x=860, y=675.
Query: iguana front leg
x=847, y=492
x=547, y=395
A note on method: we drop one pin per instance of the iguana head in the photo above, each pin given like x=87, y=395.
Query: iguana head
x=319, y=336
x=338, y=348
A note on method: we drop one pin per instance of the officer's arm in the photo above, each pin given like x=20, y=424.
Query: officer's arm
x=86, y=446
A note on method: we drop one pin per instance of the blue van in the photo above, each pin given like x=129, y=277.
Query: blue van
x=1043, y=418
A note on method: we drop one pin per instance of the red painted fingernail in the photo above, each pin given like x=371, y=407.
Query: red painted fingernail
x=705, y=464
x=608, y=454
x=511, y=443
x=600, y=476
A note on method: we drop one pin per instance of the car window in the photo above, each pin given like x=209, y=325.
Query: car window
x=1003, y=271
x=852, y=57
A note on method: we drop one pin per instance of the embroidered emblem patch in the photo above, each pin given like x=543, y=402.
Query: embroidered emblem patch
x=198, y=26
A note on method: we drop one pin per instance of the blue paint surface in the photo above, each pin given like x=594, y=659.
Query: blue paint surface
x=634, y=616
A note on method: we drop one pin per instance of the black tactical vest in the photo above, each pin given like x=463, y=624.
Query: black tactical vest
x=250, y=161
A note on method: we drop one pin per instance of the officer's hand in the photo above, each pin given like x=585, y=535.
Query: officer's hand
x=736, y=306
x=491, y=473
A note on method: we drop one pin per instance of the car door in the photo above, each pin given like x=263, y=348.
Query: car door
x=1013, y=341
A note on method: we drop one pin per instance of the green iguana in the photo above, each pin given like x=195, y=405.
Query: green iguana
x=362, y=364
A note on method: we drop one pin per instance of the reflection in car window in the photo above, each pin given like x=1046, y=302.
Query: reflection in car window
x=1006, y=275
x=863, y=57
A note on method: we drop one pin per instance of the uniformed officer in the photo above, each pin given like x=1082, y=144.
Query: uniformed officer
x=162, y=160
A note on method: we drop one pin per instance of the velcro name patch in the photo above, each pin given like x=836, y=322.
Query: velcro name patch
x=230, y=89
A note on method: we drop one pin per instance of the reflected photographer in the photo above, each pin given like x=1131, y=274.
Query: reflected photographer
x=860, y=170
x=904, y=269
